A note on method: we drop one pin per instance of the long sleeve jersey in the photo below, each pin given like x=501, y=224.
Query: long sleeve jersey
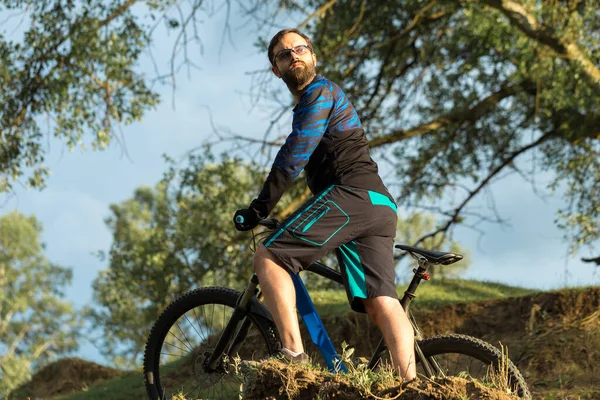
x=327, y=141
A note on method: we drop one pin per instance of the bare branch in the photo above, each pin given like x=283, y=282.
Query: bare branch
x=508, y=160
x=592, y=260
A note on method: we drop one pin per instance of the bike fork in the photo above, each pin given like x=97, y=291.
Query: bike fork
x=225, y=344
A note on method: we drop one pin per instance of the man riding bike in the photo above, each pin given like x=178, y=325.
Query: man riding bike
x=351, y=212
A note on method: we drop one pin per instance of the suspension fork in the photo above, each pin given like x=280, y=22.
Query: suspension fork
x=225, y=343
x=241, y=333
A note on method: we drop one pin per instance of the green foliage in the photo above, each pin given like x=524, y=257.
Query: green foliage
x=36, y=325
x=474, y=90
x=73, y=71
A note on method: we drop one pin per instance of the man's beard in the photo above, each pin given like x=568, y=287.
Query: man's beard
x=299, y=76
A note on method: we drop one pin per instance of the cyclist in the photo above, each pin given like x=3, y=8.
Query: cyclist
x=351, y=211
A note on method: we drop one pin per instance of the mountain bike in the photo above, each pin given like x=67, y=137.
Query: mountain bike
x=192, y=344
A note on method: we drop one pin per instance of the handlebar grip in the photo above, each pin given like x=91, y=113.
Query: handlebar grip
x=239, y=219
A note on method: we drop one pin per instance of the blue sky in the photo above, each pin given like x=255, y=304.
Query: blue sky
x=72, y=208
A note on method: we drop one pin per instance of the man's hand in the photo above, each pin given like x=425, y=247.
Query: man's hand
x=245, y=219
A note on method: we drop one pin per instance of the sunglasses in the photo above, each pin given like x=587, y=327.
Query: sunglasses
x=286, y=54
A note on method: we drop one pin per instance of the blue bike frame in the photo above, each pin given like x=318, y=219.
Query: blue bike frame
x=315, y=327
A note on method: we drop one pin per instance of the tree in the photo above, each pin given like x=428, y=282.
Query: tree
x=73, y=71
x=168, y=240
x=463, y=93
x=36, y=324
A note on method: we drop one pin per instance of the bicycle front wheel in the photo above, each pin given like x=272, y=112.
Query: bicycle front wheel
x=466, y=356
x=182, y=339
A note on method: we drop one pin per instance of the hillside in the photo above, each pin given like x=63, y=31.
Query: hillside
x=553, y=337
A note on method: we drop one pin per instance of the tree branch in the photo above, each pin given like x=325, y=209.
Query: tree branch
x=529, y=25
x=297, y=202
x=592, y=260
x=318, y=13
x=454, y=218
x=471, y=114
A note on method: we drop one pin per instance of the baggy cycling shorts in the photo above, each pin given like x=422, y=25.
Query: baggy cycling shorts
x=359, y=224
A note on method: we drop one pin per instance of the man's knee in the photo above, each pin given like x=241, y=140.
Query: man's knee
x=377, y=306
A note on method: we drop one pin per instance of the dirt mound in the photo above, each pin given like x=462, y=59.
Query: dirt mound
x=64, y=376
x=273, y=380
x=553, y=337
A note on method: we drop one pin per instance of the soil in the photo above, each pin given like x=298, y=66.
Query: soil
x=64, y=376
x=275, y=381
x=552, y=337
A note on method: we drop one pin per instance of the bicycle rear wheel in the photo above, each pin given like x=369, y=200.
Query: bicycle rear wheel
x=466, y=356
x=183, y=337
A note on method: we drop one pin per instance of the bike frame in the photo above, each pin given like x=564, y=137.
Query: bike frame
x=239, y=324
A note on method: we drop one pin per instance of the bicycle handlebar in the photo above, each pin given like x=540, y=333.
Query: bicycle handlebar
x=270, y=223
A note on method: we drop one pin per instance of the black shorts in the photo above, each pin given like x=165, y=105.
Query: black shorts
x=359, y=224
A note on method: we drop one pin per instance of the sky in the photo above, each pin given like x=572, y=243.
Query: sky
x=529, y=253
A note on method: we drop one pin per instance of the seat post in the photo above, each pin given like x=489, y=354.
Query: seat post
x=420, y=271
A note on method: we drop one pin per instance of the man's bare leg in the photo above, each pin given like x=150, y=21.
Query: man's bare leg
x=280, y=296
x=389, y=316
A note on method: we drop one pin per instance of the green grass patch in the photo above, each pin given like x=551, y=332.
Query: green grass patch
x=435, y=293
x=128, y=387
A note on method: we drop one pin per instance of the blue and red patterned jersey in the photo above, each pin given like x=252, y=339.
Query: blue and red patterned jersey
x=327, y=141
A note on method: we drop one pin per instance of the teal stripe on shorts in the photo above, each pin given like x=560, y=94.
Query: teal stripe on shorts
x=354, y=269
x=379, y=199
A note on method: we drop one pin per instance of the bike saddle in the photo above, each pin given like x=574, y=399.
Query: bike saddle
x=434, y=257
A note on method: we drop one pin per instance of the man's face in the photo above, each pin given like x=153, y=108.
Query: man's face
x=295, y=70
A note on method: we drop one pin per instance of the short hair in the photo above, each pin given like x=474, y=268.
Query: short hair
x=281, y=34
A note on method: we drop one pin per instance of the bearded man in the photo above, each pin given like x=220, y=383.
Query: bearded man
x=351, y=212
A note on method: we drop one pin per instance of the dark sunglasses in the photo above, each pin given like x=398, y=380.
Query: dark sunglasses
x=286, y=54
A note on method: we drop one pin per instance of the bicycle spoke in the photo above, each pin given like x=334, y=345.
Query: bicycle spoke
x=179, y=348
x=199, y=324
x=212, y=316
x=192, y=325
x=182, y=342
x=169, y=354
x=186, y=339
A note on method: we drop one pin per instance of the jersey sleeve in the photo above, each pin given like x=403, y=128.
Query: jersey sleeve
x=310, y=121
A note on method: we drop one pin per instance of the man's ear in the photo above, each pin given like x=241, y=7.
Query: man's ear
x=275, y=70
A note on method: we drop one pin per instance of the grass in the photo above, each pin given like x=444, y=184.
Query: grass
x=435, y=293
x=128, y=387
x=430, y=294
